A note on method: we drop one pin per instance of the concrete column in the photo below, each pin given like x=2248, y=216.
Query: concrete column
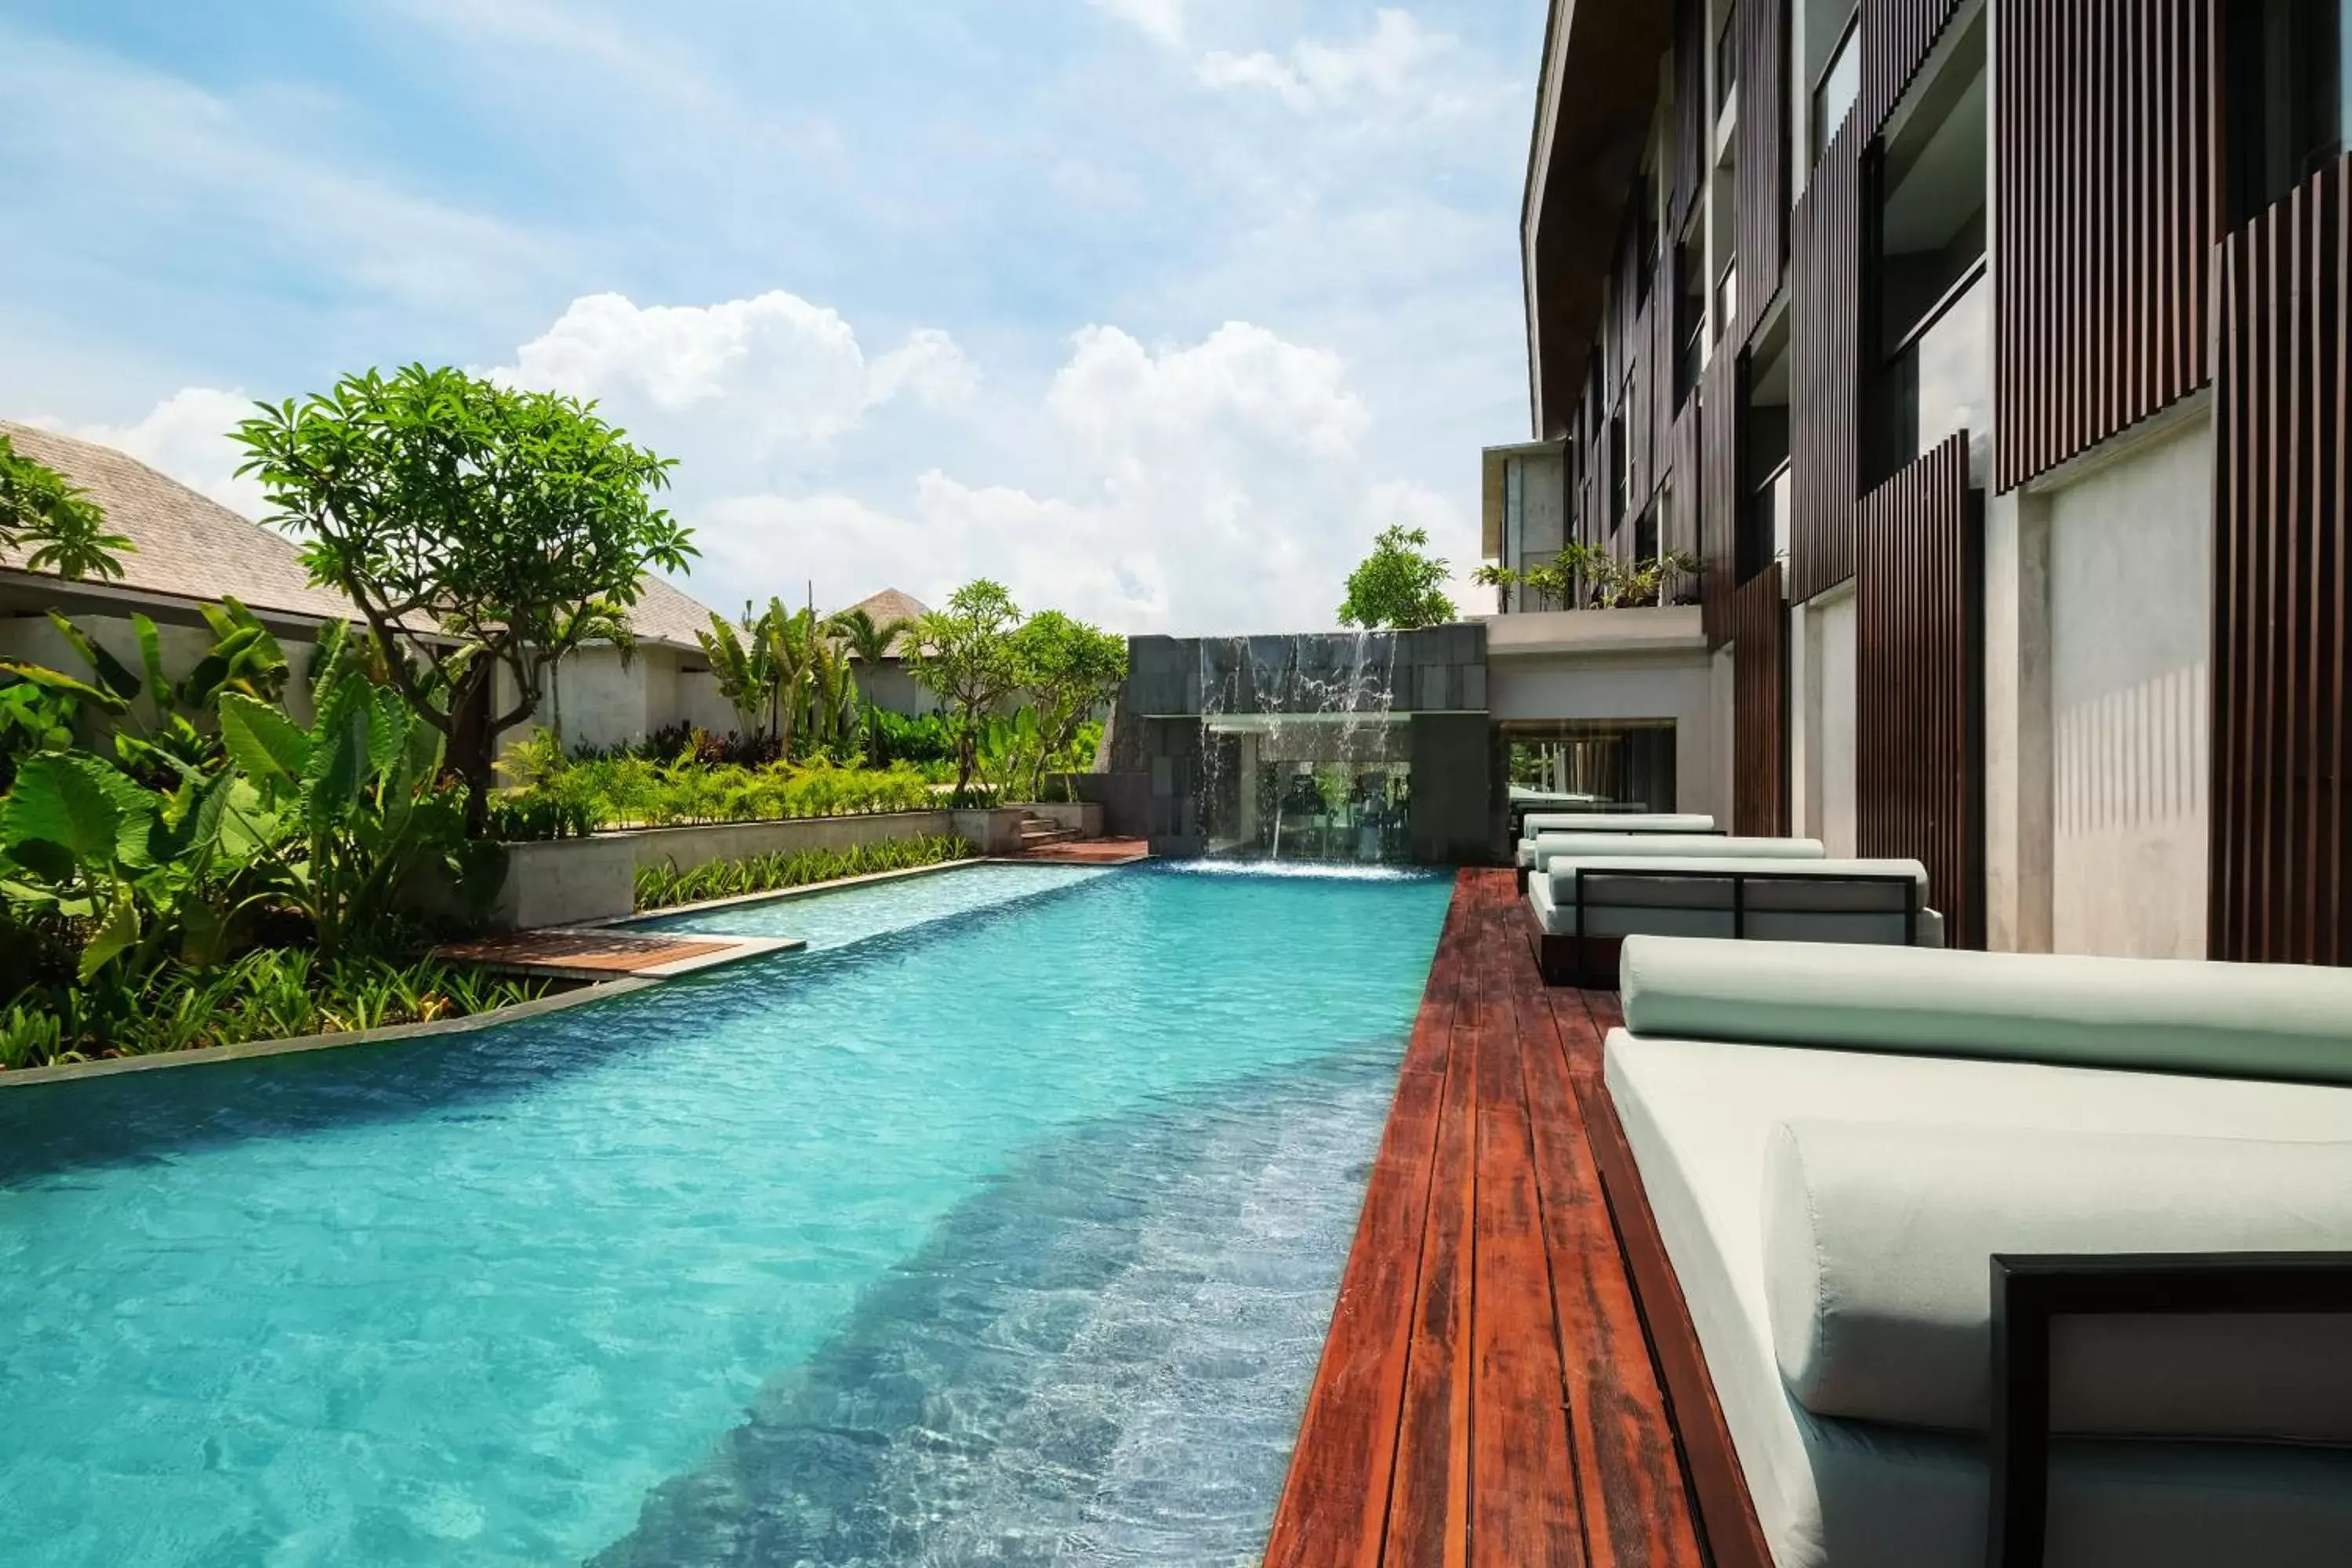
x=2018, y=821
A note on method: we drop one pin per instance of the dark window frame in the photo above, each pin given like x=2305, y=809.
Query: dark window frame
x=1848, y=38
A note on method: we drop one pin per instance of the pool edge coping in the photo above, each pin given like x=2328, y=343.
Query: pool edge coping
x=806, y=889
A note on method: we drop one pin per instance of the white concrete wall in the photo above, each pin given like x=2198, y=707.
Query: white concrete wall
x=1660, y=686
x=34, y=640
x=1824, y=742
x=594, y=698
x=1723, y=692
x=2130, y=599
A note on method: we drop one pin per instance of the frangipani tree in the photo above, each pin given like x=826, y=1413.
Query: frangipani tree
x=964, y=656
x=478, y=528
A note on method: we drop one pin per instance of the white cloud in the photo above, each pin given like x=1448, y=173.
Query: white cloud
x=1222, y=485
x=758, y=377
x=1161, y=21
x=1389, y=62
x=187, y=435
x=1217, y=486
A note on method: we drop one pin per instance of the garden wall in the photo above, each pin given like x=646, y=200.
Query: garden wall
x=573, y=881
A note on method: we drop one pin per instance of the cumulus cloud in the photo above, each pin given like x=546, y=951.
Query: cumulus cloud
x=1221, y=484
x=765, y=374
x=1215, y=486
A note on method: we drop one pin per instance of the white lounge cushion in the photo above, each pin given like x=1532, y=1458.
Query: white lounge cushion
x=1550, y=846
x=2250, y=1020
x=1613, y=821
x=1837, y=1493
x=1878, y=1238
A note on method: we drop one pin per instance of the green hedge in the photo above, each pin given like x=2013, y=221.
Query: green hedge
x=665, y=887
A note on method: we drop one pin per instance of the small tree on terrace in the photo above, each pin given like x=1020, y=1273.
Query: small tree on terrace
x=964, y=656
x=477, y=528
x=1397, y=584
x=1070, y=669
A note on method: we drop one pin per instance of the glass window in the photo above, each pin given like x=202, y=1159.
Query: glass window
x=2289, y=106
x=1953, y=373
x=1592, y=765
x=1840, y=86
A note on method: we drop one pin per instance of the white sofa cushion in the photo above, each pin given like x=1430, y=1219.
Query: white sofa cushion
x=1550, y=846
x=2241, y=1020
x=1837, y=1493
x=1877, y=1238
x=1611, y=822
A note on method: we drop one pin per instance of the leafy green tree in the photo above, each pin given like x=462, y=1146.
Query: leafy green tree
x=1070, y=669
x=964, y=656
x=1397, y=584
x=63, y=525
x=477, y=528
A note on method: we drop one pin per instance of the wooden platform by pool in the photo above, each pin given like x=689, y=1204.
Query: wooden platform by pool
x=1488, y=1392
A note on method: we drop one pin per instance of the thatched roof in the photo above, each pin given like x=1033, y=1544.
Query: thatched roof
x=890, y=604
x=189, y=546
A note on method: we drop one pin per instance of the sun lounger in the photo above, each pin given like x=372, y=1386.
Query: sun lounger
x=1581, y=907
x=1836, y=1143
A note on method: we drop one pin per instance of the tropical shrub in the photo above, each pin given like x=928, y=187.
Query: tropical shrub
x=630, y=792
x=267, y=994
x=664, y=887
x=919, y=738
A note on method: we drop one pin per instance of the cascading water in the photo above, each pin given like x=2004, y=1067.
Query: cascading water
x=1301, y=750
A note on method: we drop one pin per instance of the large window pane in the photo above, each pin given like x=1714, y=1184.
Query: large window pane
x=1955, y=373
x=1840, y=86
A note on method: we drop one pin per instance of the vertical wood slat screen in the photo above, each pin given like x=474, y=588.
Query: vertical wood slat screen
x=1694, y=116
x=1761, y=148
x=1825, y=347
x=1758, y=624
x=1719, y=492
x=1662, y=383
x=2104, y=183
x=1897, y=36
x=1918, y=677
x=1640, y=408
x=2280, y=883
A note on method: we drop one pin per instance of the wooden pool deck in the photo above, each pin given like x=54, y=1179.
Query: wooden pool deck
x=1491, y=1391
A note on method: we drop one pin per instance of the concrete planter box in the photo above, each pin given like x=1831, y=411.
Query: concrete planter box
x=995, y=831
x=1085, y=815
x=565, y=881
x=570, y=881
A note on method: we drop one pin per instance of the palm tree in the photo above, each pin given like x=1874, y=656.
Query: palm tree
x=791, y=638
x=869, y=641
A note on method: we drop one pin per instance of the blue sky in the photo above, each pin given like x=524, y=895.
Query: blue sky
x=1155, y=309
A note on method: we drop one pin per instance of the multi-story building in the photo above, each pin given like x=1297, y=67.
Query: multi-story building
x=1993, y=358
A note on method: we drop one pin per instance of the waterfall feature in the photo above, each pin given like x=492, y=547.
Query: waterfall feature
x=1302, y=754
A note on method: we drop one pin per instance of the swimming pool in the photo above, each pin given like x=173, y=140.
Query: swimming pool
x=1009, y=1234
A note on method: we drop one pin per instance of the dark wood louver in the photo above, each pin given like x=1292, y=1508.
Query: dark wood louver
x=1686, y=496
x=1825, y=345
x=1758, y=625
x=2281, y=886
x=1761, y=147
x=1694, y=116
x=1719, y=546
x=1897, y=36
x=2103, y=169
x=1919, y=696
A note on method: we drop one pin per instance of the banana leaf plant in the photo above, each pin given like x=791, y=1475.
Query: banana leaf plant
x=358, y=789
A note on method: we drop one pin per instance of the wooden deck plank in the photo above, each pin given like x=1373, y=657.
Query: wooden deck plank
x=1334, y=1507
x=1525, y=1510
x=1429, y=1490
x=1488, y=1393
x=1728, y=1515
x=1631, y=1490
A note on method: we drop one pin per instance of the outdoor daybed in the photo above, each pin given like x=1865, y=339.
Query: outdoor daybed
x=1579, y=909
x=1836, y=1144
x=1543, y=843
x=1644, y=823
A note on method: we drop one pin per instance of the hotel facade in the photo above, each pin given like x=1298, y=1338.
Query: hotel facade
x=1988, y=359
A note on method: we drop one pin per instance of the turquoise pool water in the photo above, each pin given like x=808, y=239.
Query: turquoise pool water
x=1006, y=1237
